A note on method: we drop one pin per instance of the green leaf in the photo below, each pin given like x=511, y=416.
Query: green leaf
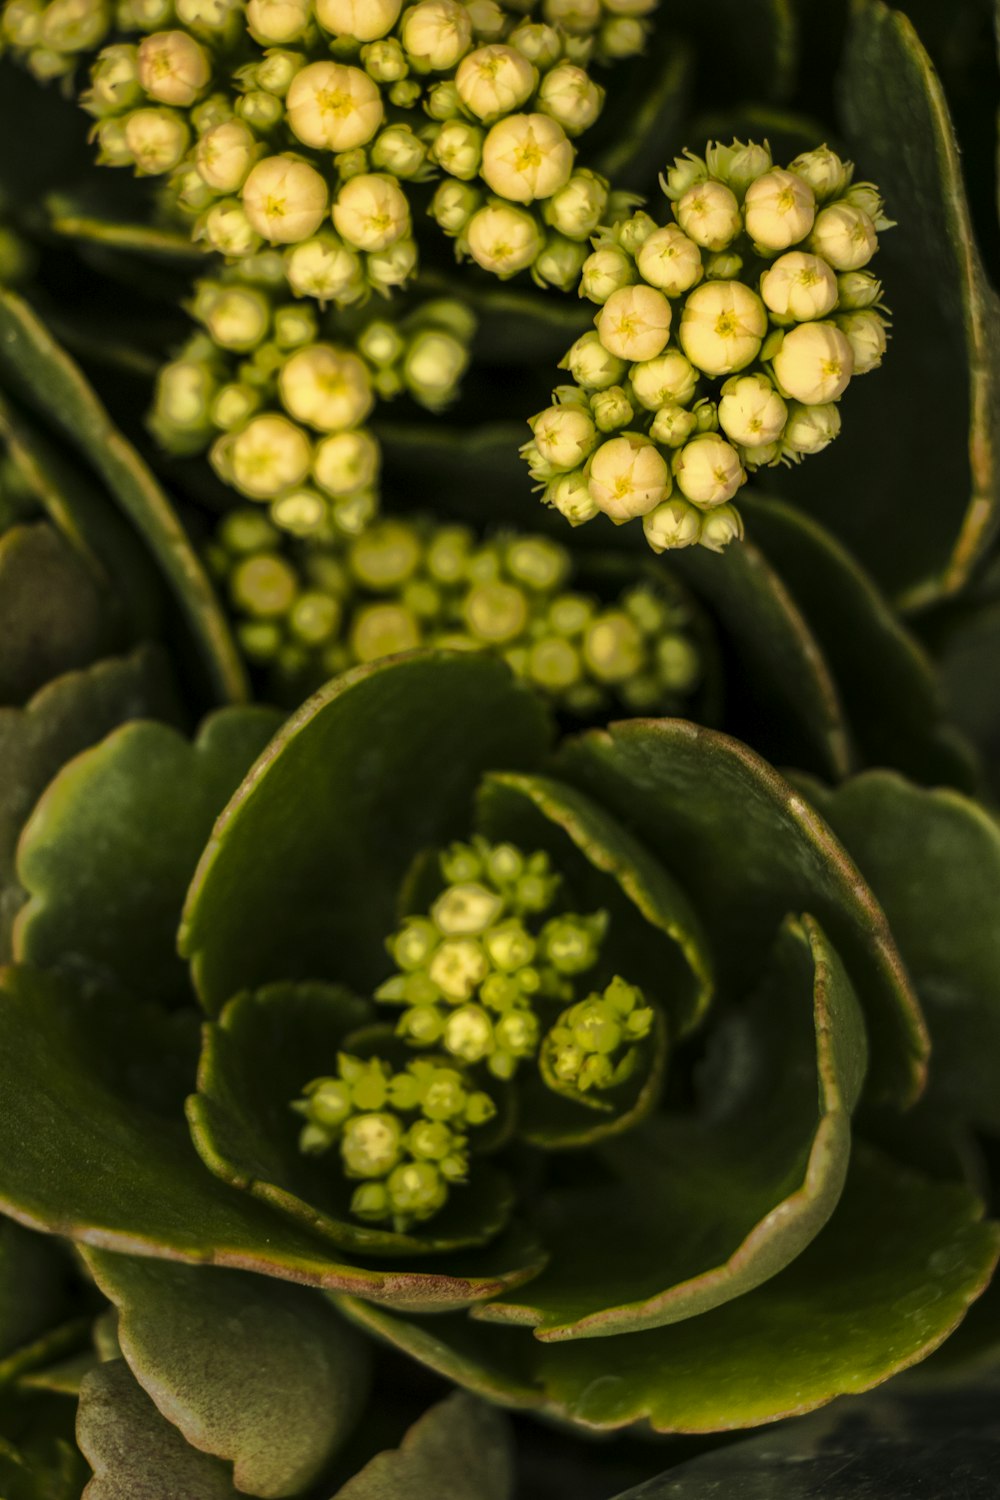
x=933, y=860
x=918, y=511
x=747, y=849
x=301, y=876
x=134, y=1452
x=607, y=868
x=264, y=1375
x=64, y=718
x=93, y=1146
x=45, y=375
x=459, y=1450
x=886, y=683
x=884, y=1284
x=111, y=847
x=780, y=691
x=701, y=1209
x=52, y=615
x=265, y=1048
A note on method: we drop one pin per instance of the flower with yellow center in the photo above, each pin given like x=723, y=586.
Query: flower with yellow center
x=673, y=524
x=708, y=470
x=333, y=107
x=814, y=363
x=285, y=199
x=799, y=286
x=750, y=411
x=722, y=326
x=325, y=387
x=634, y=323
x=709, y=214
x=270, y=455
x=503, y=239
x=371, y=211
x=779, y=210
x=845, y=236
x=527, y=157
x=628, y=476
x=670, y=260
x=173, y=68
x=494, y=80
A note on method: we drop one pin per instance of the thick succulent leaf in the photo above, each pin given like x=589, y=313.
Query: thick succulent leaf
x=701, y=1210
x=747, y=849
x=134, y=1452
x=118, y=563
x=917, y=509
x=606, y=867
x=886, y=683
x=62, y=719
x=459, y=1450
x=37, y=368
x=301, y=875
x=264, y=1375
x=884, y=1284
x=902, y=1443
x=109, y=851
x=780, y=691
x=266, y=1047
x=34, y=1287
x=933, y=860
x=52, y=615
x=93, y=1146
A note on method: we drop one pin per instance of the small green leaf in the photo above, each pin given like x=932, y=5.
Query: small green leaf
x=66, y=717
x=111, y=847
x=46, y=376
x=933, y=861
x=459, y=1450
x=264, y=1375
x=886, y=683
x=255, y=1061
x=927, y=508
x=747, y=849
x=134, y=1452
x=701, y=1209
x=884, y=1284
x=52, y=615
x=93, y=1146
x=301, y=876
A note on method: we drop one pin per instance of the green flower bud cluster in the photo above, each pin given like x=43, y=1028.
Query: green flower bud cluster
x=762, y=281
x=593, y=1043
x=308, y=611
x=403, y=1136
x=281, y=400
x=470, y=973
x=307, y=124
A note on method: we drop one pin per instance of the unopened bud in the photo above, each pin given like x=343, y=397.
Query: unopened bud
x=628, y=476
x=708, y=470
x=674, y=524
x=779, y=210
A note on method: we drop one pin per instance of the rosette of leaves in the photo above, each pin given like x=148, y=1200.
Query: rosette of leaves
x=636, y=1215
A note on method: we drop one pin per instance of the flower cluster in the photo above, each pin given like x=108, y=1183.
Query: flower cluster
x=309, y=126
x=724, y=342
x=488, y=978
x=307, y=612
x=281, y=400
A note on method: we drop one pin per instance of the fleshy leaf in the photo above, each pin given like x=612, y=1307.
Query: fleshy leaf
x=133, y=1451
x=93, y=1146
x=301, y=875
x=256, y=1060
x=606, y=867
x=747, y=849
x=933, y=860
x=47, y=377
x=52, y=616
x=701, y=1210
x=459, y=1450
x=918, y=510
x=884, y=1284
x=111, y=847
x=886, y=683
x=262, y=1374
x=780, y=692
x=65, y=717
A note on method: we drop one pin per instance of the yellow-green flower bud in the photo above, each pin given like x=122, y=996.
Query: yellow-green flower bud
x=709, y=214
x=157, y=140
x=814, y=364
x=526, y=157
x=738, y=165
x=591, y=365
x=453, y=205
x=577, y=209
x=674, y=524
x=326, y=388
x=114, y=81
x=346, y=461
x=434, y=364
x=227, y=229
x=385, y=60
x=371, y=212
x=570, y=495
x=435, y=34
x=263, y=586
x=237, y=317
x=503, y=239
x=825, y=172
x=458, y=149
x=333, y=107
x=611, y=409
x=858, y=289
x=628, y=476
x=571, y=97
x=751, y=411
x=722, y=326
x=621, y=37
x=721, y=526
x=539, y=43
x=225, y=154
x=669, y=379
x=845, y=236
x=275, y=23
x=285, y=199
x=362, y=20
x=708, y=470
x=399, y=151
x=810, y=429
x=605, y=272
x=865, y=331
x=270, y=455
x=325, y=268
x=673, y=425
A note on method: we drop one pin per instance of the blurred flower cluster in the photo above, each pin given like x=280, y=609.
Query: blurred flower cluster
x=305, y=611
x=723, y=343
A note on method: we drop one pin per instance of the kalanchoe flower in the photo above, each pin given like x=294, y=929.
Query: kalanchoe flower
x=753, y=305
x=305, y=610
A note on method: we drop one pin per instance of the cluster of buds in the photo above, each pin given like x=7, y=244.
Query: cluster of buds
x=403, y=1136
x=306, y=612
x=307, y=124
x=472, y=972
x=724, y=342
x=594, y=1044
x=281, y=401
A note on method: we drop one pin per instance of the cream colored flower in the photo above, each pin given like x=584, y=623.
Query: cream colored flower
x=326, y=387
x=333, y=107
x=814, y=363
x=503, y=239
x=709, y=214
x=570, y=95
x=371, y=211
x=634, y=323
x=270, y=455
x=673, y=524
x=157, y=139
x=845, y=236
x=825, y=172
x=346, y=461
x=285, y=199
x=799, y=286
x=493, y=81
x=275, y=23
x=779, y=209
x=326, y=269
x=564, y=436
x=708, y=470
x=628, y=476
x=720, y=527
x=364, y=20
x=225, y=154
x=670, y=260
x=750, y=411
x=570, y=495
x=865, y=331
x=722, y=326
x=173, y=67
x=669, y=378
x=527, y=157
x=436, y=33
x=810, y=429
